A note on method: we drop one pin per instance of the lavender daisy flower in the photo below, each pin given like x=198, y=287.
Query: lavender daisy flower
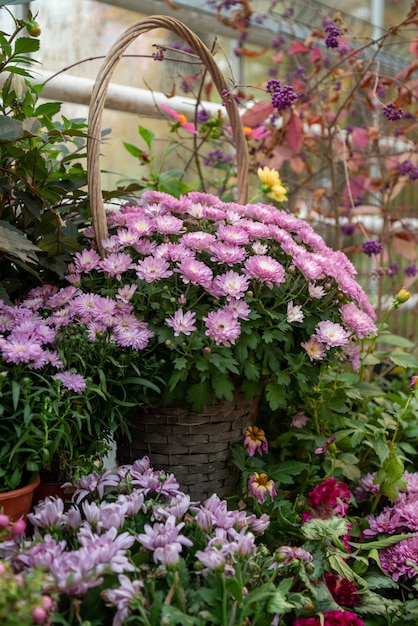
x=70, y=380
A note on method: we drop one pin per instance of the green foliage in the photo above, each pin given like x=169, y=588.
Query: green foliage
x=42, y=180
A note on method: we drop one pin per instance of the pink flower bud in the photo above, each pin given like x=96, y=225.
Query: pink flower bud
x=38, y=614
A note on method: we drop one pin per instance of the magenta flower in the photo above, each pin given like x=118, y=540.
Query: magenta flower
x=180, y=119
x=329, y=498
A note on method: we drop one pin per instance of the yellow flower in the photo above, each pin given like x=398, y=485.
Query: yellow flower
x=272, y=185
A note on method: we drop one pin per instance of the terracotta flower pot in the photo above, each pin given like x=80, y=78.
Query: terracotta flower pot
x=18, y=503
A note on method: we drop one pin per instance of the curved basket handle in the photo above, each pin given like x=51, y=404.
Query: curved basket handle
x=98, y=98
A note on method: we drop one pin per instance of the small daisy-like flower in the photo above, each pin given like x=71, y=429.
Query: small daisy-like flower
x=294, y=313
x=180, y=119
x=314, y=349
x=182, y=322
x=259, y=486
x=271, y=184
x=74, y=382
x=255, y=441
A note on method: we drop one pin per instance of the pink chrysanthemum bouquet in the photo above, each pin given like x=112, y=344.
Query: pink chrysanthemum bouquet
x=214, y=297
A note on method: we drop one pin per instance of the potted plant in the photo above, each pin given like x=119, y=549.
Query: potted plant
x=46, y=408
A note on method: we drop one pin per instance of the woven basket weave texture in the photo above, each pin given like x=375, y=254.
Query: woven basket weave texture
x=195, y=447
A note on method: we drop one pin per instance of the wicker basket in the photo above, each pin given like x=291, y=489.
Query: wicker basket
x=196, y=448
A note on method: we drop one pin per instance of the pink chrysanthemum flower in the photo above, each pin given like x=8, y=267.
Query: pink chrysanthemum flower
x=259, y=486
x=266, y=270
x=136, y=336
x=314, y=349
x=331, y=334
x=182, y=322
x=256, y=230
x=222, y=327
x=308, y=264
x=195, y=272
x=233, y=234
x=255, y=441
x=152, y=268
x=140, y=224
x=401, y=560
x=294, y=313
x=74, y=382
x=316, y=291
x=227, y=253
x=231, y=284
x=198, y=240
x=126, y=293
x=168, y=225
x=238, y=308
x=116, y=264
x=357, y=321
x=126, y=237
x=86, y=261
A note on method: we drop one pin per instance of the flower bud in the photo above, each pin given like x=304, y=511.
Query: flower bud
x=33, y=28
x=402, y=296
x=167, y=342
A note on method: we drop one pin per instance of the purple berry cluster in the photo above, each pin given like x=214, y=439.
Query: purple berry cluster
x=407, y=168
x=332, y=34
x=392, y=112
x=282, y=97
x=371, y=247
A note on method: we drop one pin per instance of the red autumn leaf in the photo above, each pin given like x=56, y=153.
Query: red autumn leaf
x=298, y=48
x=360, y=137
x=316, y=55
x=257, y=114
x=294, y=133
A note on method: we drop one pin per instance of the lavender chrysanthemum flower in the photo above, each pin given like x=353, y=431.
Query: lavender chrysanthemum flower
x=195, y=272
x=122, y=597
x=231, y=284
x=153, y=268
x=70, y=380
